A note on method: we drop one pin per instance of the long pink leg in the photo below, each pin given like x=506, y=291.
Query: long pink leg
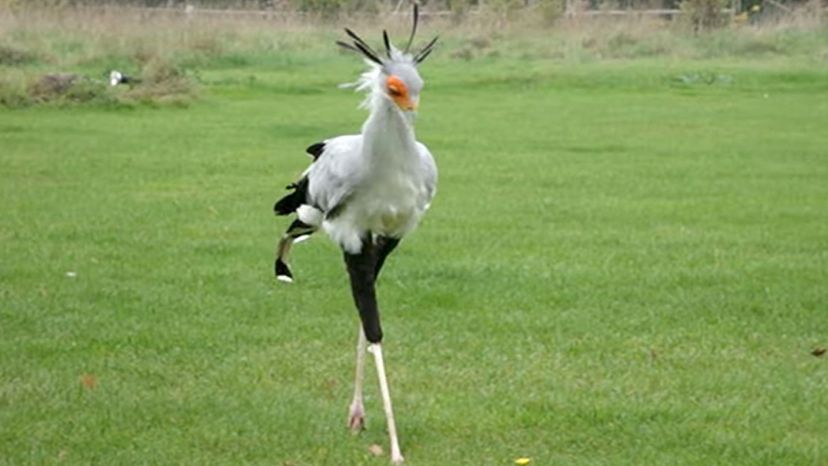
x=356, y=415
x=396, y=456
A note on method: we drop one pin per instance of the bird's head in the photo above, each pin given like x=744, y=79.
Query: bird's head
x=402, y=84
x=394, y=74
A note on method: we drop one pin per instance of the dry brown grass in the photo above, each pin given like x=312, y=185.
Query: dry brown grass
x=161, y=46
x=69, y=36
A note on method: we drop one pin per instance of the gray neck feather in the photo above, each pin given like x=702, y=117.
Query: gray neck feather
x=389, y=132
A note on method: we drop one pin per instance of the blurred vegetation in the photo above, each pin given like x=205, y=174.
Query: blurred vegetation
x=704, y=14
x=63, y=56
x=702, y=11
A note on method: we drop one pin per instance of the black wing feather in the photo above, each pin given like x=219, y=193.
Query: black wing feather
x=315, y=150
x=291, y=202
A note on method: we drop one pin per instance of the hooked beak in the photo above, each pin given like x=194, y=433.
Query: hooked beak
x=407, y=104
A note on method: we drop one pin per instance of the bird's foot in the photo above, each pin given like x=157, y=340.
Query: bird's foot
x=283, y=271
x=356, y=418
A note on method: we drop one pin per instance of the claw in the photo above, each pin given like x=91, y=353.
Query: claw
x=356, y=424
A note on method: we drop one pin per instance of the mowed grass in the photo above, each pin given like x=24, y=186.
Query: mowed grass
x=626, y=263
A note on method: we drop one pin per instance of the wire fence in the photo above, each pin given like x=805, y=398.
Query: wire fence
x=268, y=10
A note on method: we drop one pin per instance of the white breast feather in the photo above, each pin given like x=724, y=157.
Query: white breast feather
x=384, y=178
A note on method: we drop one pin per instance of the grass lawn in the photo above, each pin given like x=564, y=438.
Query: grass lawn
x=626, y=263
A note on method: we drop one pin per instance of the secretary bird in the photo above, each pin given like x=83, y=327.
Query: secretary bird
x=366, y=191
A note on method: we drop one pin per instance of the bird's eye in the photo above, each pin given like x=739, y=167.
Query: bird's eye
x=396, y=87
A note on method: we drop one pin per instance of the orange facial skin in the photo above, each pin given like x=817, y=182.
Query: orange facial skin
x=399, y=93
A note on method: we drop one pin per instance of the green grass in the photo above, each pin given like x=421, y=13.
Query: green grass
x=626, y=263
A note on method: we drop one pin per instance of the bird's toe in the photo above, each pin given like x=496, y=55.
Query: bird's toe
x=356, y=418
x=356, y=422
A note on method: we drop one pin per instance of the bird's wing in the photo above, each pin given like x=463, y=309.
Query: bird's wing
x=429, y=168
x=336, y=172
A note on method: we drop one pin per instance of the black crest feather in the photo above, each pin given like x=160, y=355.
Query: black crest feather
x=360, y=46
x=413, y=27
x=387, y=43
x=425, y=51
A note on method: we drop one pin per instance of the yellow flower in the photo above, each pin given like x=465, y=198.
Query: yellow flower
x=523, y=461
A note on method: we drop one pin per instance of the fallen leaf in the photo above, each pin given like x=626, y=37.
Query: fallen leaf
x=89, y=381
x=819, y=351
x=523, y=461
x=330, y=388
x=375, y=450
